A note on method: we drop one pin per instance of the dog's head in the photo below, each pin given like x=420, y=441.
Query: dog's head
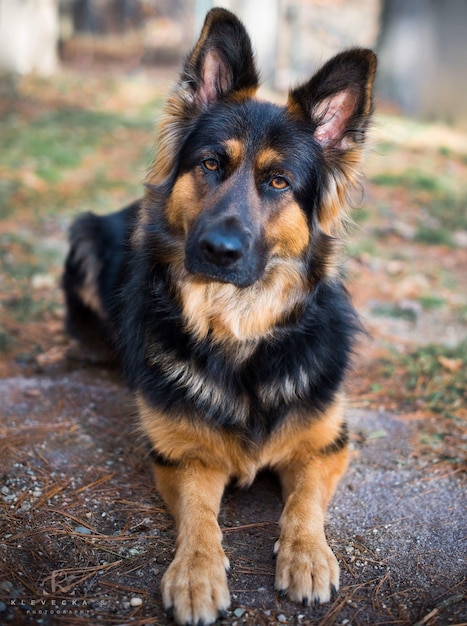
x=252, y=186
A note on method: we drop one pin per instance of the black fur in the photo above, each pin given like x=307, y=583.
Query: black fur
x=139, y=299
x=98, y=245
x=299, y=366
x=319, y=342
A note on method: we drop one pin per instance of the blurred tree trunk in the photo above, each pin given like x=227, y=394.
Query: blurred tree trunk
x=29, y=31
x=423, y=57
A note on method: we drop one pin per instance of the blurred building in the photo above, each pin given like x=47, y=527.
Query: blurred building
x=294, y=37
x=423, y=58
x=420, y=43
x=29, y=31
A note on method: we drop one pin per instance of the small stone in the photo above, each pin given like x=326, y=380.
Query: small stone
x=82, y=530
x=6, y=585
x=239, y=612
x=136, y=601
x=282, y=618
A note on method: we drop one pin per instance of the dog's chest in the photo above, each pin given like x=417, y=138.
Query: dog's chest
x=231, y=392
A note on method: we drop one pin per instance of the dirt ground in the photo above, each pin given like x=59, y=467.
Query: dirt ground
x=84, y=538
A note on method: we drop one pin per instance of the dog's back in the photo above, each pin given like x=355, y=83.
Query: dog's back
x=94, y=272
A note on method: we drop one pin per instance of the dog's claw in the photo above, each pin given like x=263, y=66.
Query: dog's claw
x=282, y=593
x=334, y=592
x=222, y=614
x=169, y=612
x=306, y=601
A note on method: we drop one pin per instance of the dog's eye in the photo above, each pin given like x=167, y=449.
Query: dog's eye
x=210, y=165
x=279, y=183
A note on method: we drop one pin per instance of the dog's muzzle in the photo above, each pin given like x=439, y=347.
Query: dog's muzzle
x=224, y=251
x=223, y=245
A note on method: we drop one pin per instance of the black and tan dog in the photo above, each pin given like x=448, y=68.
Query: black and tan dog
x=221, y=294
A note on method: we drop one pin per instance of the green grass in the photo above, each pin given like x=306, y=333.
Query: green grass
x=413, y=180
x=433, y=236
x=441, y=196
x=55, y=143
x=59, y=140
x=23, y=254
x=395, y=311
x=430, y=303
x=26, y=308
x=363, y=246
x=5, y=341
x=435, y=375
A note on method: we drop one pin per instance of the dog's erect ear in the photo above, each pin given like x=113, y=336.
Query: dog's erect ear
x=222, y=60
x=338, y=99
x=220, y=64
x=338, y=104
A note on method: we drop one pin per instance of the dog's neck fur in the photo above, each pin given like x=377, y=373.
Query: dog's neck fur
x=229, y=314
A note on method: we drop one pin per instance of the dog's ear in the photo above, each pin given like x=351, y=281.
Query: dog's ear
x=221, y=62
x=338, y=103
x=338, y=99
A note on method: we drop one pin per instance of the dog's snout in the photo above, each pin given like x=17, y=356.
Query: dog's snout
x=223, y=245
x=224, y=249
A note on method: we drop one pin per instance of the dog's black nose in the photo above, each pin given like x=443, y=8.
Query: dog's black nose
x=222, y=246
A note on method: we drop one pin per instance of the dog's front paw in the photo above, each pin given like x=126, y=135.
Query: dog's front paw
x=194, y=588
x=307, y=570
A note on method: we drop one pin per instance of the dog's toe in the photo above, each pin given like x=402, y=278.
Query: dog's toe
x=194, y=588
x=307, y=570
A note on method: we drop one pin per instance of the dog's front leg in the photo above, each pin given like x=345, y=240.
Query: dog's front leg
x=307, y=569
x=194, y=588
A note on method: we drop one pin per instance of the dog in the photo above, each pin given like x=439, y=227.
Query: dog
x=220, y=292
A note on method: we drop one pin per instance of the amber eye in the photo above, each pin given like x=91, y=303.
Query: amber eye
x=211, y=165
x=279, y=183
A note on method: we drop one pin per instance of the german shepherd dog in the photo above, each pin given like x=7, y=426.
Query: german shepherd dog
x=221, y=294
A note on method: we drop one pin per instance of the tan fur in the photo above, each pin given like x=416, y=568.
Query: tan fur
x=195, y=584
x=206, y=460
x=234, y=314
x=235, y=151
x=287, y=232
x=185, y=202
x=333, y=212
x=267, y=158
x=185, y=440
x=89, y=291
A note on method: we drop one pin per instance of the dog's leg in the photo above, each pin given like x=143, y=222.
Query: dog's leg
x=307, y=570
x=194, y=588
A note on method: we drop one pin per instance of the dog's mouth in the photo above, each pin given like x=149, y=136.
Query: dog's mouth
x=212, y=274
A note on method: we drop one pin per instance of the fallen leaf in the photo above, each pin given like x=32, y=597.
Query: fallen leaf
x=451, y=365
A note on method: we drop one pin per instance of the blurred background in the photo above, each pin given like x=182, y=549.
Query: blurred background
x=421, y=43
x=82, y=85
